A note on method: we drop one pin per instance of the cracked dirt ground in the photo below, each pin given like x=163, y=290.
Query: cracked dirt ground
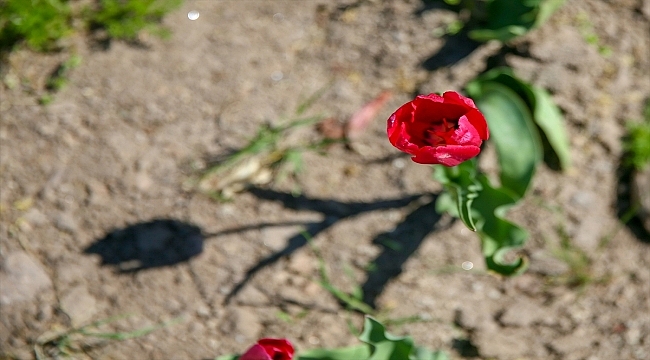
x=111, y=154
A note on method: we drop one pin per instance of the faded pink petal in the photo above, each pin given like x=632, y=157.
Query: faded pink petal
x=364, y=116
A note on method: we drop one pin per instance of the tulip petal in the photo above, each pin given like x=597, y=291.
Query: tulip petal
x=256, y=352
x=278, y=349
x=404, y=112
x=450, y=155
x=398, y=136
x=478, y=121
x=433, y=97
x=453, y=97
x=428, y=112
x=466, y=134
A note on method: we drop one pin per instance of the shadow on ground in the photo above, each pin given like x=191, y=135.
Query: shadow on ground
x=626, y=210
x=398, y=245
x=333, y=211
x=157, y=243
x=166, y=242
x=457, y=46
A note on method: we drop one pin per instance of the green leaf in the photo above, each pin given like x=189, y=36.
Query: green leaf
x=513, y=132
x=504, y=20
x=497, y=234
x=227, y=357
x=446, y=204
x=546, y=9
x=549, y=118
x=360, y=352
x=384, y=345
x=462, y=187
x=422, y=353
x=546, y=114
x=503, y=34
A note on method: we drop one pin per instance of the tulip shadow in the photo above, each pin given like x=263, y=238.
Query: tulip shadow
x=456, y=48
x=146, y=245
x=399, y=245
x=333, y=212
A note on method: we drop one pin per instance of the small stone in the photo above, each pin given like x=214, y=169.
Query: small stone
x=529, y=283
x=97, y=192
x=543, y=263
x=590, y=231
x=302, y=263
x=66, y=222
x=633, y=335
x=68, y=274
x=22, y=279
x=252, y=296
x=502, y=344
x=79, y=305
x=203, y=311
x=275, y=237
x=522, y=314
x=143, y=181
x=45, y=313
x=196, y=327
x=578, y=340
x=242, y=323
x=125, y=147
x=474, y=318
x=583, y=199
x=35, y=217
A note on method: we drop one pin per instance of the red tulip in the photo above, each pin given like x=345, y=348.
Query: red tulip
x=269, y=349
x=435, y=129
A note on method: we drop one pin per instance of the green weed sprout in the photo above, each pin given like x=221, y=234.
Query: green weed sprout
x=69, y=342
x=263, y=159
x=637, y=143
x=59, y=78
x=125, y=19
x=40, y=23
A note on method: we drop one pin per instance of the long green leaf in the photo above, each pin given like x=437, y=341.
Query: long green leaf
x=513, y=132
x=549, y=118
x=545, y=113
